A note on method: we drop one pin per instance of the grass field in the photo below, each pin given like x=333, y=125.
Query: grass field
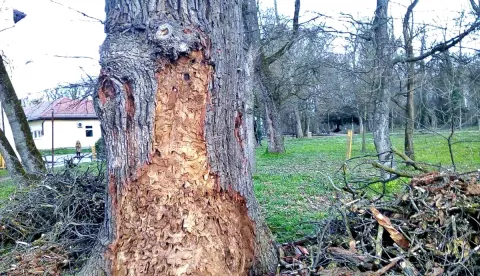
x=294, y=191
x=60, y=151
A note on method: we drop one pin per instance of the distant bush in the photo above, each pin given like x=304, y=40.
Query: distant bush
x=100, y=146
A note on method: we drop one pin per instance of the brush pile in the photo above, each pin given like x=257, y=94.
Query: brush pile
x=51, y=226
x=433, y=228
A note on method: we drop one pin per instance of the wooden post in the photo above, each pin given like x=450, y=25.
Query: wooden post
x=349, y=143
x=94, y=153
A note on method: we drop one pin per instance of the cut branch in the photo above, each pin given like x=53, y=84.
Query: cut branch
x=391, y=170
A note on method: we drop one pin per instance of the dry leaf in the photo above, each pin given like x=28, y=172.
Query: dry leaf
x=303, y=249
x=384, y=221
x=352, y=245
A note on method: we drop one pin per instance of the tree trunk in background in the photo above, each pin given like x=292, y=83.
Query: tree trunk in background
x=262, y=78
x=252, y=44
x=14, y=167
x=270, y=97
x=273, y=121
x=180, y=193
x=362, y=132
x=382, y=67
x=410, y=107
x=410, y=113
x=298, y=121
x=26, y=148
x=307, y=123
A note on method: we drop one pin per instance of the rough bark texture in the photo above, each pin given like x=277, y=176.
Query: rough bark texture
x=172, y=106
x=382, y=69
x=29, y=154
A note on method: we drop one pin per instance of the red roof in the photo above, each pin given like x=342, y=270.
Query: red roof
x=63, y=108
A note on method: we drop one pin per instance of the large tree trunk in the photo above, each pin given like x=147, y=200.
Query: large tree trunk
x=29, y=154
x=180, y=193
x=383, y=69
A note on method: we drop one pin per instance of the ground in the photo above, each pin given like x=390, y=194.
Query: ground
x=293, y=188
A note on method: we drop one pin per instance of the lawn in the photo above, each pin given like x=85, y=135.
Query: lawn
x=293, y=188
x=62, y=151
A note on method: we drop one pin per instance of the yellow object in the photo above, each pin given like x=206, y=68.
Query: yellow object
x=349, y=143
x=2, y=163
x=94, y=153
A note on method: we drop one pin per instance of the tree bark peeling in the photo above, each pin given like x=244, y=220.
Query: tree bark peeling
x=172, y=216
x=175, y=219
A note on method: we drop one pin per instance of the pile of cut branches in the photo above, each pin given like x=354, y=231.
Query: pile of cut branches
x=52, y=225
x=433, y=228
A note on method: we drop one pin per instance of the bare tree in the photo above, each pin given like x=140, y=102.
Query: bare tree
x=270, y=97
x=410, y=107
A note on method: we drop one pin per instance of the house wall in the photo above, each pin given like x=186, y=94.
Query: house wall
x=66, y=133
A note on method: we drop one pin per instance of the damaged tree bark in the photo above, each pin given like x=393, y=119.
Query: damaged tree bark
x=172, y=102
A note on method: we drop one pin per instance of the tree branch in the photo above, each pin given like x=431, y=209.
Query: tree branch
x=271, y=59
x=80, y=12
x=441, y=47
x=391, y=170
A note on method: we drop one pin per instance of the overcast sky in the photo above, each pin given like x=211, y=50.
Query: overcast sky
x=51, y=30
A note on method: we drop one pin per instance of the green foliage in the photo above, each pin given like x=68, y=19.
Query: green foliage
x=100, y=146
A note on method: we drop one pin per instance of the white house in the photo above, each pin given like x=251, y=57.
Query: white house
x=72, y=120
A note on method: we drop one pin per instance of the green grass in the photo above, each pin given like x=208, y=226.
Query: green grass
x=59, y=151
x=93, y=167
x=7, y=187
x=293, y=189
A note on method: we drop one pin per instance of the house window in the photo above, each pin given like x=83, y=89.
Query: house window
x=37, y=133
x=88, y=131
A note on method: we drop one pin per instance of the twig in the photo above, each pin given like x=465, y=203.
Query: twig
x=391, y=170
x=378, y=244
x=80, y=12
